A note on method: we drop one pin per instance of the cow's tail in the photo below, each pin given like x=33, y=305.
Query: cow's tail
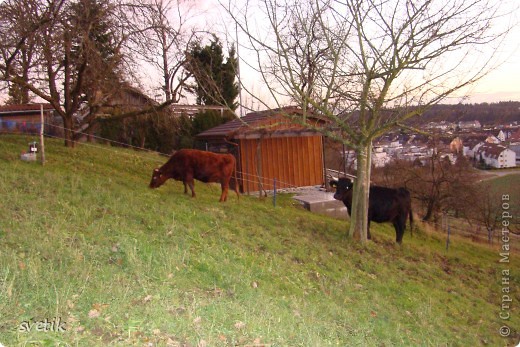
x=236, y=179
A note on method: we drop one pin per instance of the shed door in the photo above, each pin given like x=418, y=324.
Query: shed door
x=293, y=161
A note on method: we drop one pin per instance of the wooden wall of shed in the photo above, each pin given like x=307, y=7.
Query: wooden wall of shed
x=293, y=161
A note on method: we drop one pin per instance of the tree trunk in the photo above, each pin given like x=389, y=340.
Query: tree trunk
x=430, y=209
x=68, y=132
x=359, y=216
x=166, y=74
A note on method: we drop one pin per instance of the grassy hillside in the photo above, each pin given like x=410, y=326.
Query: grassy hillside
x=507, y=185
x=84, y=240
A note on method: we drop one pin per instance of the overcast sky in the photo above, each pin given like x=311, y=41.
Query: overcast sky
x=502, y=84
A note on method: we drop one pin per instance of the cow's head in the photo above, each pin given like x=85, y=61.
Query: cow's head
x=158, y=178
x=343, y=188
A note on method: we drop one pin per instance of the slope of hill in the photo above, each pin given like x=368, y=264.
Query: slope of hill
x=89, y=256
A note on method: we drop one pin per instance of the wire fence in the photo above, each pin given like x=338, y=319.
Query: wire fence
x=119, y=143
x=450, y=226
x=56, y=132
x=266, y=184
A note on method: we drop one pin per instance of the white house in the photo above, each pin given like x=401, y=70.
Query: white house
x=442, y=125
x=380, y=158
x=516, y=148
x=496, y=156
x=501, y=136
x=472, y=149
x=475, y=124
x=393, y=147
x=492, y=139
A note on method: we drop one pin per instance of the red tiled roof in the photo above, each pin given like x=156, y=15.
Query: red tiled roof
x=491, y=150
x=515, y=136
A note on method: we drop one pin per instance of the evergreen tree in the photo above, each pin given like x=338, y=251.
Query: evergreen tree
x=214, y=83
x=215, y=80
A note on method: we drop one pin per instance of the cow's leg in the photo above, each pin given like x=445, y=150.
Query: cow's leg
x=185, y=187
x=191, y=183
x=225, y=187
x=399, y=230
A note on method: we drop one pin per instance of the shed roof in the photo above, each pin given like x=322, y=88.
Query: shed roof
x=269, y=122
x=23, y=109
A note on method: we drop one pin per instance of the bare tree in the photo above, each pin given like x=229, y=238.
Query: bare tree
x=162, y=36
x=75, y=50
x=19, y=55
x=487, y=210
x=363, y=64
x=20, y=22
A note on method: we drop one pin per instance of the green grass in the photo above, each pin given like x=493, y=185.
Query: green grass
x=84, y=239
x=506, y=189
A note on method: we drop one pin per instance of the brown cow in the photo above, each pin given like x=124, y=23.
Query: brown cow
x=189, y=164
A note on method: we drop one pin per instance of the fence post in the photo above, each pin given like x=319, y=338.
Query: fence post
x=274, y=192
x=42, y=146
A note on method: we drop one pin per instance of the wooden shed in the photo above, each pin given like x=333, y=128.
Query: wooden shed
x=269, y=147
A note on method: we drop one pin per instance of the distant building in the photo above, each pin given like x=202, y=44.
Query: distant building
x=496, y=156
x=466, y=125
x=515, y=137
x=516, y=148
x=493, y=139
x=501, y=136
x=380, y=158
x=456, y=145
x=472, y=151
x=452, y=158
x=442, y=125
x=470, y=141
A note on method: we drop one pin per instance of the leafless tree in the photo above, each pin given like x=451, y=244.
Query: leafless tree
x=68, y=67
x=162, y=36
x=20, y=22
x=487, y=210
x=363, y=64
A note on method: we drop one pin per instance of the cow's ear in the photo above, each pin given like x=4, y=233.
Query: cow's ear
x=156, y=170
x=333, y=183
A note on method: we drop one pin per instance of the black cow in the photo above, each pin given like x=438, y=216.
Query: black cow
x=385, y=205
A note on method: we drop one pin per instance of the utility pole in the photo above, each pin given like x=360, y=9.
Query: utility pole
x=41, y=135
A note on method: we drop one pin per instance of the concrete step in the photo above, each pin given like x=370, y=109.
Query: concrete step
x=323, y=203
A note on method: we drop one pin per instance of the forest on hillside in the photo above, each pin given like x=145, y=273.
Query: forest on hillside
x=486, y=113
